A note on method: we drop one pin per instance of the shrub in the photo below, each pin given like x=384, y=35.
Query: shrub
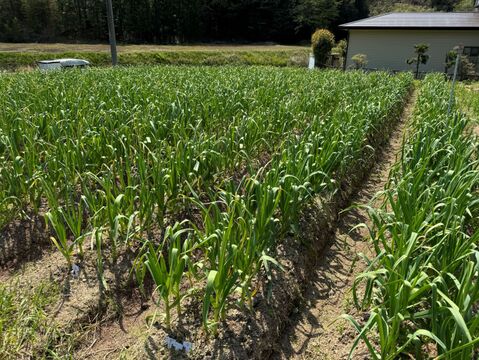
x=451, y=57
x=322, y=41
x=466, y=68
x=342, y=48
x=359, y=61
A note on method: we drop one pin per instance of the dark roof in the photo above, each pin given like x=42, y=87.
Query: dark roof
x=435, y=20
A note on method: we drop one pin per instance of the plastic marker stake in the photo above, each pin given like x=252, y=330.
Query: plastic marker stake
x=187, y=346
x=172, y=343
x=75, y=270
x=311, y=62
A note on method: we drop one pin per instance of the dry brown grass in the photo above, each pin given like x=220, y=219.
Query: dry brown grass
x=59, y=47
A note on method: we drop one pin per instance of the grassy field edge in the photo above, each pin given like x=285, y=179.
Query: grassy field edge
x=19, y=60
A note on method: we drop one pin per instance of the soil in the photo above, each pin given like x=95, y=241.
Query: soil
x=84, y=302
x=23, y=241
x=316, y=330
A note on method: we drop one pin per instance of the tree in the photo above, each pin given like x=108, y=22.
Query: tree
x=451, y=57
x=443, y=5
x=12, y=21
x=420, y=58
x=41, y=19
x=137, y=22
x=350, y=10
x=322, y=41
x=173, y=21
x=312, y=14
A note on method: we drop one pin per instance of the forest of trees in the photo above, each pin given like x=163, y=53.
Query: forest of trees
x=183, y=21
x=173, y=21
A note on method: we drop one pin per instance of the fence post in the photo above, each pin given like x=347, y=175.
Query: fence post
x=456, y=65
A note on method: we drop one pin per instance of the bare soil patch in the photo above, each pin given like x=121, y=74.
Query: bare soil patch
x=23, y=241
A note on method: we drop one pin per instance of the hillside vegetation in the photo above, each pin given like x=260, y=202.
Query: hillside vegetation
x=182, y=21
x=383, y=6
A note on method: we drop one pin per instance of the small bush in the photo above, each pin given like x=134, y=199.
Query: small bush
x=342, y=48
x=359, y=61
x=467, y=69
x=322, y=41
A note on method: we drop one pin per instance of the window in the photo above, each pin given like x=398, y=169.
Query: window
x=472, y=52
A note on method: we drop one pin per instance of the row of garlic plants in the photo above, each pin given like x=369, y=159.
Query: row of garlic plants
x=243, y=221
x=422, y=286
x=135, y=135
x=77, y=130
x=204, y=168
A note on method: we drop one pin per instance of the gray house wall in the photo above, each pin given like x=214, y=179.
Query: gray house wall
x=388, y=49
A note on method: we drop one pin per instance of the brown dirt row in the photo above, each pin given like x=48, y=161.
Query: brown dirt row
x=28, y=258
x=315, y=329
x=22, y=241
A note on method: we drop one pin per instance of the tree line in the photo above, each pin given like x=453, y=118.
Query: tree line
x=179, y=21
x=174, y=21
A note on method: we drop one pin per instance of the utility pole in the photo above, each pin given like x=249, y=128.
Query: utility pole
x=111, y=32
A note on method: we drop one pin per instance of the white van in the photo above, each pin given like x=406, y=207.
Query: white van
x=62, y=63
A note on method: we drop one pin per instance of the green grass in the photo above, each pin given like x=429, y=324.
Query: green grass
x=26, y=326
x=18, y=60
x=468, y=99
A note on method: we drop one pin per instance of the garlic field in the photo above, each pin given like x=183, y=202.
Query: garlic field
x=422, y=286
x=176, y=186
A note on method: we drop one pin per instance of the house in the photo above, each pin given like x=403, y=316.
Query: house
x=388, y=40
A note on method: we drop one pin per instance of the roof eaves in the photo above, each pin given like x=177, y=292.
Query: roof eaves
x=365, y=23
x=410, y=28
x=346, y=25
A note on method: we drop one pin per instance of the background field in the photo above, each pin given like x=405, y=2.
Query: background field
x=18, y=56
x=62, y=47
